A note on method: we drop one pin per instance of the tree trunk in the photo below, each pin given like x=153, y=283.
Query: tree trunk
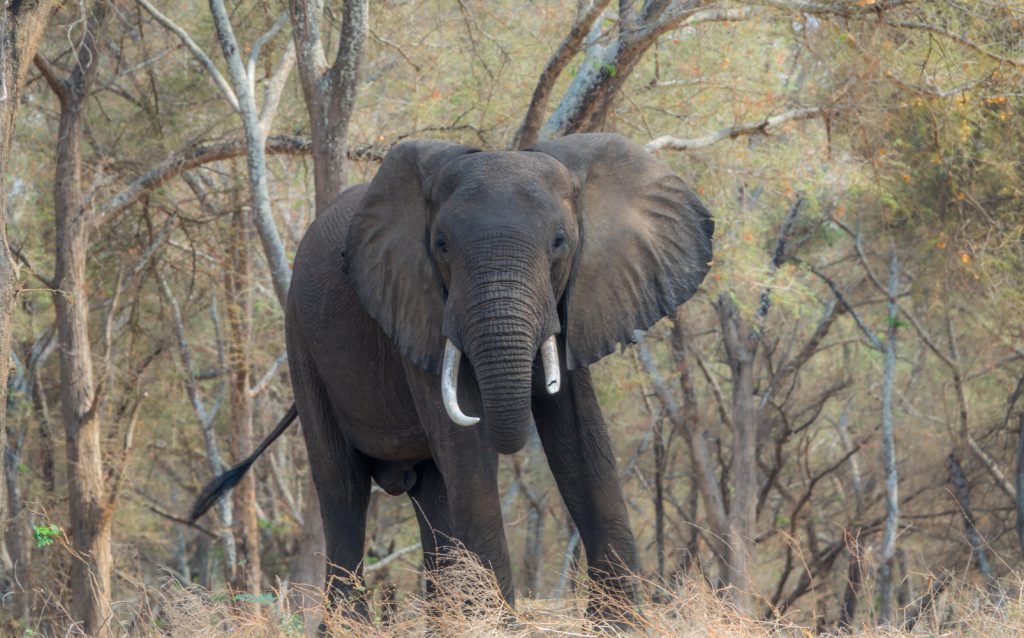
x=977, y=543
x=90, y=511
x=329, y=91
x=308, y=566
x=1019, y=482
x=740, y=349
x=20, y=36
x=605, y=67
x=892, y=505
x=256, y=157
x=238, y=308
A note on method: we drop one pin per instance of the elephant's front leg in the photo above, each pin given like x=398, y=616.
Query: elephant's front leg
x=579, y=452
x=468, y=466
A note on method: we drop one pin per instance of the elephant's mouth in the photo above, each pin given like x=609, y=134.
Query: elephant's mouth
x=450, y=378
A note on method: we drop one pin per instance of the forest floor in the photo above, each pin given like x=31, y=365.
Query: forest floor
x=466, y=590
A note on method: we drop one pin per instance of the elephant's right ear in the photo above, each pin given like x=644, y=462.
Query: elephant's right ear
x=386, y=255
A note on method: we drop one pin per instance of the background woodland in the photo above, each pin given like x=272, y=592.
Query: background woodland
x=832, y=429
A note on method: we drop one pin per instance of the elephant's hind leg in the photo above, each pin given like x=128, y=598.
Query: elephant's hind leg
x=342, y=478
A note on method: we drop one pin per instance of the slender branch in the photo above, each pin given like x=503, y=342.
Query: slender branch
x=186, y=160
x=53, y=77
x=46, y=281
x=268, y=377
x=257, y=45
x=732, y=132
x=778, y=256
x=197, y=52
x=845, y=9
x=275, y=88
x=527, y=134
x=875, y=342
x=956, y=37
x=963, y=497
x=390, y=558
x=892, y=507
x=992, y=468
x=930, y=91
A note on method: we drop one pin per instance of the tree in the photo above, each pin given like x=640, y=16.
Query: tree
x=22, y=24
x=90, y=505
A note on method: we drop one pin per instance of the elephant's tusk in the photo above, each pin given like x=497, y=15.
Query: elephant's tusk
x=450, y=385
x=552, y=374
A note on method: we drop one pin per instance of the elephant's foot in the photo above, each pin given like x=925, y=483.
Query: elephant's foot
x=617, y=620
x=347, y=610
x=613, y=606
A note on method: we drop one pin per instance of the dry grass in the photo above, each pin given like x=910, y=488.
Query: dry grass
x=467, y=604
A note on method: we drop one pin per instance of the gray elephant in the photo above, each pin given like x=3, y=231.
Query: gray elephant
x=525, y=267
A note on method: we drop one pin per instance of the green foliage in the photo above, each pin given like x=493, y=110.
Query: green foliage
x=264, y=598
x=46, y=535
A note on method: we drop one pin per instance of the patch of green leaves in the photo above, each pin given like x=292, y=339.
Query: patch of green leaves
x=46, y=534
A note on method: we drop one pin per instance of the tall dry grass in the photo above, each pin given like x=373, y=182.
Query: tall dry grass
x=467, y=604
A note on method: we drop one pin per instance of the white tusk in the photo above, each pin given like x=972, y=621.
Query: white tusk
x=450, y=385
x=552, y=374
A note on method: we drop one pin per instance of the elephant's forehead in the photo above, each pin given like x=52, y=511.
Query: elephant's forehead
x=509, y=171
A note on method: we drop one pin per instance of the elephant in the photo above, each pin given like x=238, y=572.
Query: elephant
x=440, y=313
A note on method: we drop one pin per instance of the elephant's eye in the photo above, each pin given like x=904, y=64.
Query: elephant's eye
x=441, y=244
x=559, y=240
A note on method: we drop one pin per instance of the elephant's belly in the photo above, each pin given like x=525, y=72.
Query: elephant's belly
x=389, y=438
x=377, y=415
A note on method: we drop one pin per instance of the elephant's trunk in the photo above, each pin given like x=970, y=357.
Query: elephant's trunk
x=502, y=354
x=501, y=307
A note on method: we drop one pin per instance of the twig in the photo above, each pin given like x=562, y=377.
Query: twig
x=732, y=132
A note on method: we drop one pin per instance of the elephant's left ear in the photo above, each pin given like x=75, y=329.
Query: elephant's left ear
x=646, y=242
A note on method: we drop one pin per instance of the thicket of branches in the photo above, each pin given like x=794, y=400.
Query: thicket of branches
x=831, y=431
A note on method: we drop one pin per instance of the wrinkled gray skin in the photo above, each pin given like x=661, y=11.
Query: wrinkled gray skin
x=586, y=237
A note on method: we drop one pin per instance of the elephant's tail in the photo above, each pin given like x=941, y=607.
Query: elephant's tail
x=223, y=483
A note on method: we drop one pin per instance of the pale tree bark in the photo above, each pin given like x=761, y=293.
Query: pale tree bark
x=329, y=91
x=90, y=510
x=205, y=413
x=240, y=93
x=528, y=132
x=256, y=159
x=609, y=59
x=21, y=30
x=892, y=503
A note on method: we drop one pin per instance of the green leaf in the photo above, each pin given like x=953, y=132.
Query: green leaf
x=45, y=534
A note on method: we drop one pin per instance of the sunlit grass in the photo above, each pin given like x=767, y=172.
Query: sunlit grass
x=467, y=603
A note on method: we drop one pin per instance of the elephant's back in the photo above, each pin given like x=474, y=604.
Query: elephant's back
x=320, y=258
x=325, y=238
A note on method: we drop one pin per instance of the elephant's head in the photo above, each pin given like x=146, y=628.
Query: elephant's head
x=491, y=254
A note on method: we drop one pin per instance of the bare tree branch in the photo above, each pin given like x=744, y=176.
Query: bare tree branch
x=186, y=160
x=528, y=131
x=732, y=132
x=845, y=9
x=956, y=37
x=257, y=45
x=197, y=52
